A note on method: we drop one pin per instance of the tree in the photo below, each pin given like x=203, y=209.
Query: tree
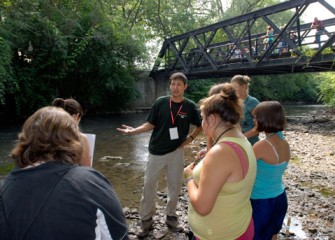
x=7, y=83
x=69, y=49
x=90, y=49
x=285, y=88
x=327, y=88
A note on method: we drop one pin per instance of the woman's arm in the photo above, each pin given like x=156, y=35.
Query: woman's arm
x=258, y=149
x=215, y=172
x=85, y=156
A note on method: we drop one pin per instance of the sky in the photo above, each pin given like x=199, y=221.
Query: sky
x=322, y=13
x=319, y=11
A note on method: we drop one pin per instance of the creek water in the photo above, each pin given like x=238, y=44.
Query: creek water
x=122, y=159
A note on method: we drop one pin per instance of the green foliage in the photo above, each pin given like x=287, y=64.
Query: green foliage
x=89, y=50
x=67, y=49
x=198, y=89
x=7, y=85
x=6, y=168
x=285, y=88
x=327, y=88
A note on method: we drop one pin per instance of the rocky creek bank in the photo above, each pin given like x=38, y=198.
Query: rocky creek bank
x=310, y=181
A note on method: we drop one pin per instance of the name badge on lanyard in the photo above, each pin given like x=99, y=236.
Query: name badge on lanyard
x=174, y=130
x=173, y=133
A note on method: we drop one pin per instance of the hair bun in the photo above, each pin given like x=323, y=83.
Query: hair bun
x=229, y=93
x=58, y=102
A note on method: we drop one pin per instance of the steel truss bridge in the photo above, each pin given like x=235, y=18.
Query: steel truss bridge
x=234, y=46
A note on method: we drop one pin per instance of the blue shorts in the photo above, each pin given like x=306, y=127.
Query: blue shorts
x=268, y=215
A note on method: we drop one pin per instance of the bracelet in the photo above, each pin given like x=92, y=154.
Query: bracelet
x=192, y=137
x=187, y=180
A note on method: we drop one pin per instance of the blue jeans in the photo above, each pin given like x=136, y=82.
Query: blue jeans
x=318, y=37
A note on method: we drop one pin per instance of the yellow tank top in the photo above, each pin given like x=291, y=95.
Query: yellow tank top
x=232, y=210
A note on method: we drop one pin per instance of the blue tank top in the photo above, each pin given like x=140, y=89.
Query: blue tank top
x=269, y=182
x=270, y=37
x=269, y=178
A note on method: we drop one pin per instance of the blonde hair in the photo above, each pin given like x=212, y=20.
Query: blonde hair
x=241, y=80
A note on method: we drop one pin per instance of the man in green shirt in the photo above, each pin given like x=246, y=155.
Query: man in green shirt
x=169, y=119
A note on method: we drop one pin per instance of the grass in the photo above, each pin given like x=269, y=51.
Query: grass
x=326, y=192
x=6, y=168
x=295, y=160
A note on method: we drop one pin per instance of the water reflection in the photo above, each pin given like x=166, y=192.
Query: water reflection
x=293, y=227
x=302, y=110
x=122, y=159
x=8, y=136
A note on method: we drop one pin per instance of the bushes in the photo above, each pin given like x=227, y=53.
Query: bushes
x=65, y=49
x=327, y=88
x=300, y=87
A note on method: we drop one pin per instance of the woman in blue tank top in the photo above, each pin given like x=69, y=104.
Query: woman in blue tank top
x=268, y=198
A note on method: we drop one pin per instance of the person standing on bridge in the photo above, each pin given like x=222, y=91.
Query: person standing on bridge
x=320, y=29
x=169, y=118
x=241, y=84
x=268, y=38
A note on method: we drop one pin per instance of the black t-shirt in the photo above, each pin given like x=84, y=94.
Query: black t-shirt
x=160, y=116
x=60, y=201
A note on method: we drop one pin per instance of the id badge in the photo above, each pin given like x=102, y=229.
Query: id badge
x=173, y=133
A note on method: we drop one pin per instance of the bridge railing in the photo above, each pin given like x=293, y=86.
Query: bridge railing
x=228, y=52
x=200, y=51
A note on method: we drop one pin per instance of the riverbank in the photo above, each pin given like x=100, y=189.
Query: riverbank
x=310, y=181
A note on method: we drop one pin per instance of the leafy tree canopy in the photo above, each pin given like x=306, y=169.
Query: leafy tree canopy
x=90, y=49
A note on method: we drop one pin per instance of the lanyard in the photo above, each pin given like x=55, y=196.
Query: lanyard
x=173, y=118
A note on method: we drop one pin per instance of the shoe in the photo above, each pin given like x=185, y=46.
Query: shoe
x=145, y=227
x=173, y=223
